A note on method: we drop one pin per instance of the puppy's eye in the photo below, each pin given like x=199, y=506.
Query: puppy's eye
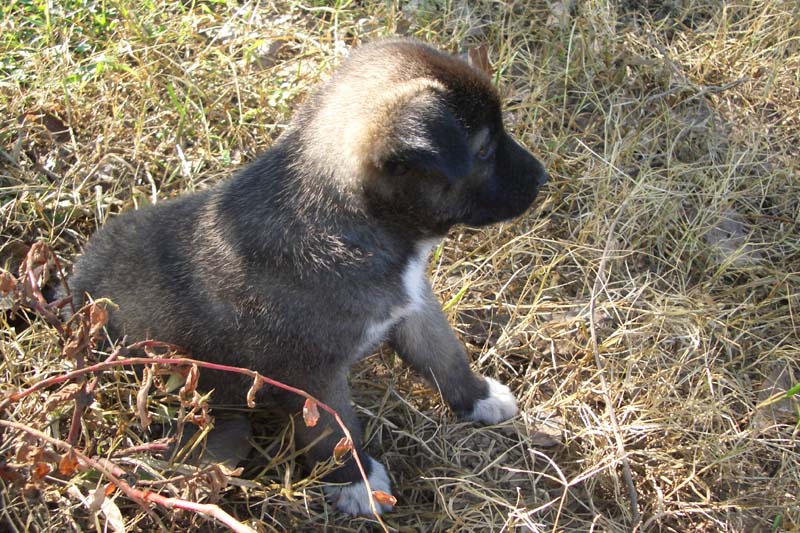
x=486, y=150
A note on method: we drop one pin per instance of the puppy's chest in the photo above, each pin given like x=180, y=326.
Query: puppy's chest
x=414, y=288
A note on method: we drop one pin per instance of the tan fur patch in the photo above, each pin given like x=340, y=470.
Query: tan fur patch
x=371, y=135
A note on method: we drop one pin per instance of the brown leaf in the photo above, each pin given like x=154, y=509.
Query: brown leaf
x=67, y=393
x=78, y=340
x=53, y=124
x=543, y=439
x=310, y=413
x=9, y=295
x=7, y=283
x=33, y=270
x=200, y=420
x=37, y=256
x=549, y=432
x=251, y=394
x=24, y=452
x=384, y=498
x=775, y=407
x=68, y=464
x=96, y=499
x=114, y=518
x=40, y=470
x=190, y=385
x=72, y=348
x=341, y=449
x=42, y=455
x=732, y=240
x=98, y=318
x=109, y=490
x=9, y=474
x=141, y=397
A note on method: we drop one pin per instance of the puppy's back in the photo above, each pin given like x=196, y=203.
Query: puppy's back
x=140, y=261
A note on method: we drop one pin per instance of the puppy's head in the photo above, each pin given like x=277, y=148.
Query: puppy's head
x=420, y=134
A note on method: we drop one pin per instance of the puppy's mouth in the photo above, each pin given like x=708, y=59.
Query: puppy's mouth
x=486, y=216
x=503, y=200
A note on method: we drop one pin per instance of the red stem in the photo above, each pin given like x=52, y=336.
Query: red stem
x=113, y=472
x=202, y=364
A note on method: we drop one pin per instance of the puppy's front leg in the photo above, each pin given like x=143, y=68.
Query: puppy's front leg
x=427, y=342
x=349, y=493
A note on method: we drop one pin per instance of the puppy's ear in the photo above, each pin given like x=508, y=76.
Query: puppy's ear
x=421, y=134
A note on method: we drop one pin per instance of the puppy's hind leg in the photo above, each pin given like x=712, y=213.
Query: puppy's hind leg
x=347, y=490
x=427, y=342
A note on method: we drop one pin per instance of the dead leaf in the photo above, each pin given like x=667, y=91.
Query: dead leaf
x=52, y=123
x=8, y=283
x=24, y=452
x=141, y=397
x=775, y=406
x=251, y=394
x=384, y=498
x=730, y=240
x=559, y=13
x=542, y=439
x=8, y=291
x=67, y=393
x=37, y=256
x=95, y=500
x=42, y=455
x=77, y=341
x=113, y=515
x=9, y=474
x=98, y=500
x=72, y=348
x=550, y=429
x=40, y=470
x=341, y=449
x=310, y=413
x=33, y=270
x=98, y=318
x=190, y=385
x=218, y=477
x=68, y=463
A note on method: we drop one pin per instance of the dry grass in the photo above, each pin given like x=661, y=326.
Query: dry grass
x=674, y=123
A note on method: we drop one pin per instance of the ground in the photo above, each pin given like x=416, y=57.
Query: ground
x=644, y=313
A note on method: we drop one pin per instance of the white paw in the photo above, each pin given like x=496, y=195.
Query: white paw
x=498, y=406
x=353, y=498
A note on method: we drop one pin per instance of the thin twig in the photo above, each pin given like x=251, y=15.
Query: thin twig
x=109, y=363
x=114, y=473
x=599, y=284
x=39, y=303
x=64, y=282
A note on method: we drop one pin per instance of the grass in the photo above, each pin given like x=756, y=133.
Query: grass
x=670, y=130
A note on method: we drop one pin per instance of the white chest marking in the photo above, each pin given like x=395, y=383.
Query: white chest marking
x=414, y=281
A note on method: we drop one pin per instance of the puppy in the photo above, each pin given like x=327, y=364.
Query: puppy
x=306, y=259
